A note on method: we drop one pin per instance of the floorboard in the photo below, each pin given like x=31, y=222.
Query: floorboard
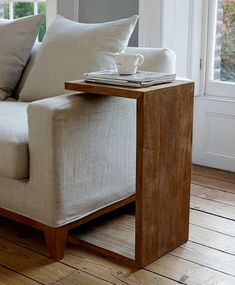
x=217, y=174
x=116, y=234
x=31, y=264
x=114, y=272
x=208, y=258
x=213, y=195
x=9, y=277
x=215, y=208
x=80, y=277
x=212, y=222
x=212, y=239
x=187, y=272
x=213, y=183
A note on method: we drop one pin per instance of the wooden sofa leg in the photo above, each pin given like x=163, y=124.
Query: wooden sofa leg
x=56, y=239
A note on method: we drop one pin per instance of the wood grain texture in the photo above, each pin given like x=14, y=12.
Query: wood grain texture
x=31, y=264
x=207, y=259
x=116, y=234
x=217, y=174
x=9, y=277
x=115, y=273
x=163, y=163
x=119, y=91
x=22, y=219
x=213, y=195
x=212, y=239
x=215, y=208
x=213, y=183
x=56, y=237
x=189, y=273
x=82, y=260
x=212, y=222
x=164, y=144
x=81, y=278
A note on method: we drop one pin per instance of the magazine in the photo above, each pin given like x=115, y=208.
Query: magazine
x=139, y=79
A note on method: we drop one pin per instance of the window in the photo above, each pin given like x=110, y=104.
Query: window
x=11, y=9
x=221, y=48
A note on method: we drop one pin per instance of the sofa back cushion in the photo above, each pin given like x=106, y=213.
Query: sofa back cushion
x=155, y=59
x=69, y=49
x=26, y=71
x=16, y=41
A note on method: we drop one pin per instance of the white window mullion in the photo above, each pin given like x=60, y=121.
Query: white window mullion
x=11, y=10
x=35, y=8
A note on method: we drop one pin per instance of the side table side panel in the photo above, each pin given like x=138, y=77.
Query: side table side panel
x=164, y=156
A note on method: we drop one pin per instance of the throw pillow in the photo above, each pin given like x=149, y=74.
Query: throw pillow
x=69, y=49
x=17, y=38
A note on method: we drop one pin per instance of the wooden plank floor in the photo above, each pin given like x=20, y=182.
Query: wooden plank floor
x=208, y=258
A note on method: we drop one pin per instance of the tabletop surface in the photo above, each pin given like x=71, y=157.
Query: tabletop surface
x=120, y=91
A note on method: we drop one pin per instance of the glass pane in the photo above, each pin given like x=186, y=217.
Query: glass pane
x=42, y=30
x=22, y=9
x=4, y=10
x=224, y=66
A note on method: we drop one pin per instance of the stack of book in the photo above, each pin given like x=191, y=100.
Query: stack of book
x=140, y=79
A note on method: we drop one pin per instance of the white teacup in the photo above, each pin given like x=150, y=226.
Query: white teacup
x=128, y=63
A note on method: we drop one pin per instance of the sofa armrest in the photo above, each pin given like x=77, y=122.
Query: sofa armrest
x=82, y=152
x=43, y=116
x=156, y=59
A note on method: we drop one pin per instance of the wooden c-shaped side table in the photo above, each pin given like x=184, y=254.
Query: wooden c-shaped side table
x=163, y=170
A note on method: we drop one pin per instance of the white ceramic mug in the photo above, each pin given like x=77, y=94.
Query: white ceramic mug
x=128, y=63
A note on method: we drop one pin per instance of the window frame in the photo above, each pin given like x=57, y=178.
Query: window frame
x=51, y=8
x=35, y=6
x=51, y=11
x=214, y=87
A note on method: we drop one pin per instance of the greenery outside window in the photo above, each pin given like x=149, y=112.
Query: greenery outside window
x=221, y=48
x=11, y=9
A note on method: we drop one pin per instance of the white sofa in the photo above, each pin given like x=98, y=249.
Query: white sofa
x=64, y=158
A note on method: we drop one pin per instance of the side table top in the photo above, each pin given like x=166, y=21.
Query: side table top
x=120, y=91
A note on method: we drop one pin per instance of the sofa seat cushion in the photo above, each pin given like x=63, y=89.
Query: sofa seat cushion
x=14, y=157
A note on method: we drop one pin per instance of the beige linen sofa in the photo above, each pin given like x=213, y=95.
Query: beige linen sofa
x=69, y=158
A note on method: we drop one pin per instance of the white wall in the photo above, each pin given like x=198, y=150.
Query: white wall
x=150, y=23
x=68, y=9
x=177, y=32
x=182, y=33
x=91, y=11
x=169, y=23
x=214, y=132
x=51, y=11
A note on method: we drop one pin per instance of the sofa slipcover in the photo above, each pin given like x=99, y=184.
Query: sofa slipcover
x=14, y=157
x=81, y=151
x=77, y=153
x=73, y=142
